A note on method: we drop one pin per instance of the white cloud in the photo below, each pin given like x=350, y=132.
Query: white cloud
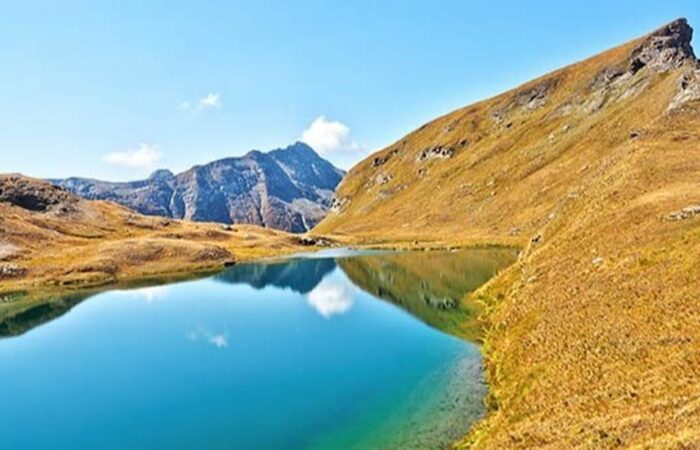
x=144, y=156
x=330, y=136
x=331, y=298
x=210, y=101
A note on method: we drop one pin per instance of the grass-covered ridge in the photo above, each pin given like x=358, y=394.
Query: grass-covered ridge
x=595, y=170
x=52, y=239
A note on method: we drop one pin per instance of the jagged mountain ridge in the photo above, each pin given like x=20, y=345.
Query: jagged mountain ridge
x=288, y=189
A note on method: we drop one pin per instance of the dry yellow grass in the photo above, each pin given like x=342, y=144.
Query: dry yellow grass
x=594, y=337
x=77, y=243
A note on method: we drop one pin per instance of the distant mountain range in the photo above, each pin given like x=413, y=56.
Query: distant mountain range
x=288, y=189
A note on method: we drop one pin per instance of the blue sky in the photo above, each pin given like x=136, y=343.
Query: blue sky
x=116, y=89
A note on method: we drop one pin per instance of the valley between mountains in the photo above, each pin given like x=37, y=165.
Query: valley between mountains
x=592, y=338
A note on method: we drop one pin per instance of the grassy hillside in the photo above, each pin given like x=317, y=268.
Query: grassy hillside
x=52, y=239
x=595, y=171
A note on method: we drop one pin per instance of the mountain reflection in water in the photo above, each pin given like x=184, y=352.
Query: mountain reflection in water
x=432, y=286
x=321, y=352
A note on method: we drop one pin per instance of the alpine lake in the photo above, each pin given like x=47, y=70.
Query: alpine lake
x=335, y=350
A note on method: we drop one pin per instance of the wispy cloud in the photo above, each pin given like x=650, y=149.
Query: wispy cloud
x=330, y=136
x=143, y=156
x=331, y=298
x=212, y=100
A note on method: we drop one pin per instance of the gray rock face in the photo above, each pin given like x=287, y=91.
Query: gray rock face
x=288, y=189
x=665, y=49
x=685, y=213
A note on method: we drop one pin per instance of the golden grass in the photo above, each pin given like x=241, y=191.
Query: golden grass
x=95, y=243
x=594, y=337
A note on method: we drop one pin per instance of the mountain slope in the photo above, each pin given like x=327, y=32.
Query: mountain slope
x=288, y=189
x=52, y=238
x=595, y=170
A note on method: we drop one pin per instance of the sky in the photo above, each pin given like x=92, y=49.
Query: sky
x=116, y=89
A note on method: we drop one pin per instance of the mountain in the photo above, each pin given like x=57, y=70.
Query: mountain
x=594, y=170
x=52, y=240
x=288, y=189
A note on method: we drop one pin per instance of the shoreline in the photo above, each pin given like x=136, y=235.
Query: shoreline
x=44, y=290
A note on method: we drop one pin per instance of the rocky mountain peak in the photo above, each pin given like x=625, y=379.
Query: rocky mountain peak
x=289, y=188
x=301, y=147
x=665, y=48
x=298, y=150
x=162, y=175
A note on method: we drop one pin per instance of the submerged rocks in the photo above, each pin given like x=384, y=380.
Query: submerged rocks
x=443, y=303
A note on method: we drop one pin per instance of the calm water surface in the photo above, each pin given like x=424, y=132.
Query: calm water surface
x=364, y=351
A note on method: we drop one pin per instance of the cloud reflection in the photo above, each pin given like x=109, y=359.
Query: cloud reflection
x=153, y=293
x=331, y=298
x=217, y=340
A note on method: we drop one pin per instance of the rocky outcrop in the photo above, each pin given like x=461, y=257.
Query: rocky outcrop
x=688, y=89
x=27, y=194
x=289, y=189
x=685, y=213
x=11, y=271
x=665, y=49
x=436, y=152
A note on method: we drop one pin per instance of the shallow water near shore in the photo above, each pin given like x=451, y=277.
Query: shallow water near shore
x=355, y=351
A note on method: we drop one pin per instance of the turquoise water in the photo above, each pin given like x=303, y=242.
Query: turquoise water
x=288, y=355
